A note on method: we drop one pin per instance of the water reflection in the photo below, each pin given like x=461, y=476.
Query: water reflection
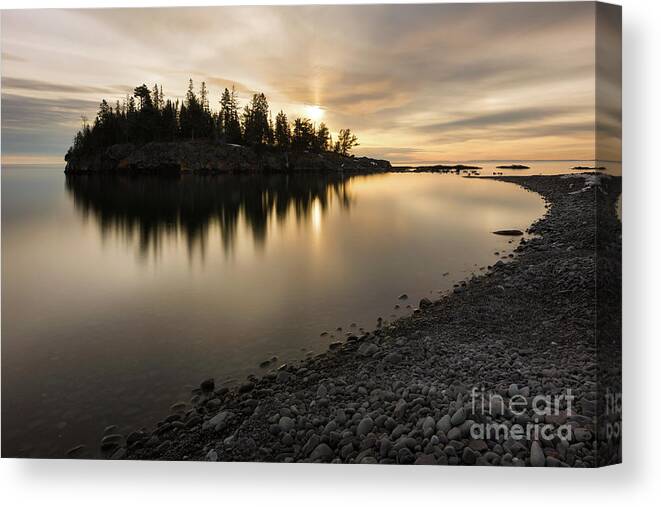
x=149, y=210
x=93, y=335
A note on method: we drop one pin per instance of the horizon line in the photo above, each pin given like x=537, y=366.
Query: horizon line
x=395, y=164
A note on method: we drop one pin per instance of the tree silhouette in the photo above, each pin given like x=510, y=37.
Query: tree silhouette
x=169, y=124
x=303, y=136
x=155, y=118
x=144, y=95
x=230, y=127
x=345, y=142
x=282, y=131
x=256, y=127
x=322, y=138
x=204, y=97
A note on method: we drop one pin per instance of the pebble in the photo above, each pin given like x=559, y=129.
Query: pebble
x=207, y=385
x=283, y=377
x=322, y=392
x=322, y=452
x=424, y=303
x=537, y=457
x=428, y=426
x=367, y=349
x=365, y=426
x=455, y=433
x=458, y=417
x=444, y=424
x=405, y=456
x=468, y=457
x=286, y=423
x=425, y=459
x=394, y=358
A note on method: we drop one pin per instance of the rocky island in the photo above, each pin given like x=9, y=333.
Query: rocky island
x=207, y=156
x=148, y=134
x=439, y=168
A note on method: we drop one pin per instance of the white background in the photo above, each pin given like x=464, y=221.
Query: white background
x=637, y=481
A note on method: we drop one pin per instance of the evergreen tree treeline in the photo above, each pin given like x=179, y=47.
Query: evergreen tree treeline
x=148, y=116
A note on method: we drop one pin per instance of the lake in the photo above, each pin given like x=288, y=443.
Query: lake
x=121, y=294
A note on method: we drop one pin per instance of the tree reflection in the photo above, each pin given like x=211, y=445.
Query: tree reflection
x=149, y=210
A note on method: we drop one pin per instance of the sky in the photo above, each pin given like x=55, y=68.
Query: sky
x=416, y=83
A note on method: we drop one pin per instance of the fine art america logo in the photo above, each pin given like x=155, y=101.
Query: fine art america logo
x=613, y=415
x=548, y=410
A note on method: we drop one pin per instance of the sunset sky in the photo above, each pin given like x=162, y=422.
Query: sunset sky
x=418, y=84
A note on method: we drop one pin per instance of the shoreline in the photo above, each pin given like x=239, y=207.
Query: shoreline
x=402, y=394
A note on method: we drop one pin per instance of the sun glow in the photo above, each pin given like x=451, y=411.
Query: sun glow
x=315, y=113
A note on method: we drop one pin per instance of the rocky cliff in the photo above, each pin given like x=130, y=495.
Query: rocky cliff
x=209, y=156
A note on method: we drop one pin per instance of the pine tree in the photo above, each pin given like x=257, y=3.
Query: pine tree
x=189, y=114
x=156, y=98
x=143, y=93
x=204, y=96
x=169, y=121
x=271, y=132
x=190, y=94
x=303, y=136
x=322, y=138
x=256, y=128
x=282, y=131
x=229, y=117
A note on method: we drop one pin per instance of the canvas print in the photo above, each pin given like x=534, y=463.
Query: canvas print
x=358, y=234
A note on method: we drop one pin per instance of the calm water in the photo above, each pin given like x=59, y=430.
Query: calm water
x=118, y=295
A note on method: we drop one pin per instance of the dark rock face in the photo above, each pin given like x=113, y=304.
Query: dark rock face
x=210, y=156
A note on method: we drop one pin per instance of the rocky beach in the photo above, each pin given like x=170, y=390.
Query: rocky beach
x=516, y=348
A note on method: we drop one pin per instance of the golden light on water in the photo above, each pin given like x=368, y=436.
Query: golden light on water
x=315, y=113
x=316, y=216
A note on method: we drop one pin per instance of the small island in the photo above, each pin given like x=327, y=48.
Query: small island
x=513, y=166
x=587, y=168
x=438, y=168
x=147, y=133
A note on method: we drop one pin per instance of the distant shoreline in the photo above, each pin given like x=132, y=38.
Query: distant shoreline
x=207, y=156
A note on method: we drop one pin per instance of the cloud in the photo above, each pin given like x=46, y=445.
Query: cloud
x=222, y=83
x=34, y=85
x=435, y=78
x=19, y=112
x=499, y=118
x=39, y=125
x=12, y=58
